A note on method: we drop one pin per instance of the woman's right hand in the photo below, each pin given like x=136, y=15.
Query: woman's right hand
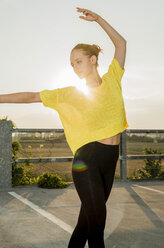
x=89, y=15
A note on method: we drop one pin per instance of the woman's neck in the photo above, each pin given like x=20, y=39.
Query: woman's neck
x=93, y=80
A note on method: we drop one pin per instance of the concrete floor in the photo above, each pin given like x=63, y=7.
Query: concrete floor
x=135, y=216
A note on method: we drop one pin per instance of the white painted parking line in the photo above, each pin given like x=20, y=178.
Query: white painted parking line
x=155, y=190
x=41, y=211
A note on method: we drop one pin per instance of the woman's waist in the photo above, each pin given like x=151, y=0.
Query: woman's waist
x=114, y=140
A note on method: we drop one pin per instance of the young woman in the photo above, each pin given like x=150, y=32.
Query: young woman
x=93, y=123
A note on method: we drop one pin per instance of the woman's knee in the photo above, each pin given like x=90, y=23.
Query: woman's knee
x=96, y=222
x=96, y=230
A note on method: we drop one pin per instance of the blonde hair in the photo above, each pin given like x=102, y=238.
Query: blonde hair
x=89, y=50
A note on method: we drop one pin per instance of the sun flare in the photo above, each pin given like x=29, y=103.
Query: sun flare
x=84, y=88
x=66, y=78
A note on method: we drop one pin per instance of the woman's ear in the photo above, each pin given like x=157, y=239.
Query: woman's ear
x=93, y=59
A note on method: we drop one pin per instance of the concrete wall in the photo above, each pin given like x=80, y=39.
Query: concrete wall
x=5, y=154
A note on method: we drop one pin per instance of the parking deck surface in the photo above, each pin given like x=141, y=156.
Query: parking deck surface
x=32, y=217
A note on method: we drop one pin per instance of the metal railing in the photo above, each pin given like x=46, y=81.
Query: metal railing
x=6, y=131
x=123, y=157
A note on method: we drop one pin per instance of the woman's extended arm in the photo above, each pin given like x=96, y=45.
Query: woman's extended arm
x=118, y=41
x=22, y=97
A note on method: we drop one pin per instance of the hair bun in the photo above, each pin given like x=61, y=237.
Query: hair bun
x=97, y=49
x=89, y=50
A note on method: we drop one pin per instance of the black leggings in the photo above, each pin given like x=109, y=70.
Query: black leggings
x=93, y=169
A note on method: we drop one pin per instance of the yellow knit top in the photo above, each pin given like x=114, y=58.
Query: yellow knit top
x=91, y=115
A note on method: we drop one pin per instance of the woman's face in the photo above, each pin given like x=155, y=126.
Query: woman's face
x=81, y=63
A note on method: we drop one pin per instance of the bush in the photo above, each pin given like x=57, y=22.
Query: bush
x=17, y=175
x=48, y=180
x=21, y=176
x=161, y=174
x=152, y=168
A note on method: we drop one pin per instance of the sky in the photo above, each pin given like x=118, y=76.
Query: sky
x=37, y=37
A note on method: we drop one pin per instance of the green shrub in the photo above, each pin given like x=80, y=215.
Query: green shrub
x=48, y=180
x=152, y=168
x=21, y=176
x=17, y=175
x=161, y=174
x=16, y=146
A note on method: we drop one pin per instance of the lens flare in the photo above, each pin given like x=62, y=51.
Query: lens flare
x=79, y=165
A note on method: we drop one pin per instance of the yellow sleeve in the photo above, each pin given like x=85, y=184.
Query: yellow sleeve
x=49, y=98
x=115, y=70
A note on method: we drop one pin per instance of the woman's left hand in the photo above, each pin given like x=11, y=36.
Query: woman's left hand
x=89, y=15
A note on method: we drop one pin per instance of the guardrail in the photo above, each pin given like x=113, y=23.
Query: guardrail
x=6, y=160
x=123, y=155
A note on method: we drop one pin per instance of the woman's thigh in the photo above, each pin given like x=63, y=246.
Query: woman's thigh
x=93, y=170
x=107, y=157
x=89, y=184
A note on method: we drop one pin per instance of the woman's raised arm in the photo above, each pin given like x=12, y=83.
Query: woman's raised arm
x=22, y=97
x=111, y=32
x=118, y=41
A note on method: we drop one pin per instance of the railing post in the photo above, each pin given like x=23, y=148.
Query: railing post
x=5, y=154
x=123, y=164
